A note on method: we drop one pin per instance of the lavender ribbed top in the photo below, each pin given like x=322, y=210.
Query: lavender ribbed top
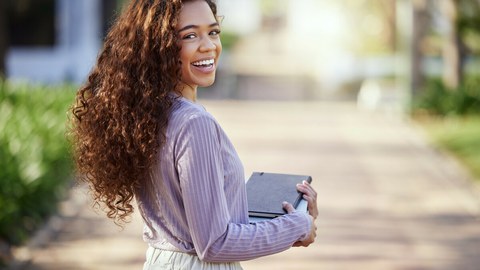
x=195, y=200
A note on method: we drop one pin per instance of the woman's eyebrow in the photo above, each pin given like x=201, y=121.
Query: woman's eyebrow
x=196, y=26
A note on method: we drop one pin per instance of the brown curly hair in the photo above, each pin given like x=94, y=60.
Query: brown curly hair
x=120, y=114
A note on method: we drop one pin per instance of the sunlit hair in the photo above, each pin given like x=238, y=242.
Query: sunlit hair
x=119, y=119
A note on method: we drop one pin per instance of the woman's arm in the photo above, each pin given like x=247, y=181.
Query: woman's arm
x=216, y=239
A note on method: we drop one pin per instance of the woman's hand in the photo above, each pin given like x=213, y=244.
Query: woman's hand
x=310, y=195
x=313, y=228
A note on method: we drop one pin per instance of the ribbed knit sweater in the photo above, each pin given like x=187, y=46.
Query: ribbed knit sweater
x=195, y=199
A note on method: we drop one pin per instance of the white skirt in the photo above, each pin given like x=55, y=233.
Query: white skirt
x=171, y=260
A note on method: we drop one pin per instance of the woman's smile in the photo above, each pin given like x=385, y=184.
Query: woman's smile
x=205, y=66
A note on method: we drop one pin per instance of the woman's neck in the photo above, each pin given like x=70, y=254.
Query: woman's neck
x=189, y=92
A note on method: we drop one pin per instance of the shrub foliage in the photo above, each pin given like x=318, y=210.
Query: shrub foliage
x=34, y=156
x=437, y=99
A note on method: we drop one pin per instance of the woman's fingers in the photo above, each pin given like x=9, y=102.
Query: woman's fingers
x=310, y=195
x=312, y=206
x=288, y=207
x=307, y=189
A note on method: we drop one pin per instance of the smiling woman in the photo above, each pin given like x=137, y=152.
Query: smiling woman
x=139, y=133
x=199, y=33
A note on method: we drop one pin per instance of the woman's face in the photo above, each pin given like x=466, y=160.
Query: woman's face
x=200, y=44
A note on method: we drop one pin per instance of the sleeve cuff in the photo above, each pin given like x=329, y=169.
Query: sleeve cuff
x=308, y=225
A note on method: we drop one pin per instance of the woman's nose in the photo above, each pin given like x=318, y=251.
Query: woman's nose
x=207, y=44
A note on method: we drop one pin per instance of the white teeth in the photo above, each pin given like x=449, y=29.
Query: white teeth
x=204, y=62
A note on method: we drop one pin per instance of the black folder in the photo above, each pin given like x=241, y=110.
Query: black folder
x=267, y=191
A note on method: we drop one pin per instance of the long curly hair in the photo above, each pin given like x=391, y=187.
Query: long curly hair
x=120, y=114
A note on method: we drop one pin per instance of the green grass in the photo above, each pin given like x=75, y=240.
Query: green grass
x=459, y=136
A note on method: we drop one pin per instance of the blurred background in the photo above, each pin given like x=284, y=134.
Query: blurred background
x=326, y=49
x=415, y=62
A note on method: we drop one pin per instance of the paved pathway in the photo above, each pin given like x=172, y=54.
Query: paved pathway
x=386, y=200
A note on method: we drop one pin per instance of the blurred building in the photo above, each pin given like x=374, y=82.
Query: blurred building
x=53, y=41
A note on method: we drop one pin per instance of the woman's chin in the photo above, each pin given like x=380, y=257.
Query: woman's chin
x=207, y=83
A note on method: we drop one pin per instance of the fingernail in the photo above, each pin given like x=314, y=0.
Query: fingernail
x=284, y=203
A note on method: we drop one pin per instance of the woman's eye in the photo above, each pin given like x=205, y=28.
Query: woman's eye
x=189, y=36
x=215, y=32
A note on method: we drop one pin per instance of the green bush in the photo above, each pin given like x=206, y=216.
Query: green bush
x=437, y=99
x=456, y=118
x=34, y=156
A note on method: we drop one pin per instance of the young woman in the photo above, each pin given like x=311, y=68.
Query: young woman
x=139, y=133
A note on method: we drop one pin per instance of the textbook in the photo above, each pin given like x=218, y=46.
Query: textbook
x=267, y=191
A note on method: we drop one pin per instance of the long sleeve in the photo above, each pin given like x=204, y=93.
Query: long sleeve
x=201, y=173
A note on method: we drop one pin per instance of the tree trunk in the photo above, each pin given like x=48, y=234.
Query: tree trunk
x=3, y=37
x=452, y=52
x=420, y=26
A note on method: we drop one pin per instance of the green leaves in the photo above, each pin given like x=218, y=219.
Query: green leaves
x=438, y=99
x=34, y=156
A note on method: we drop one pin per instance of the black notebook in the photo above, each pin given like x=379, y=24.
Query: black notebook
x=267, y=191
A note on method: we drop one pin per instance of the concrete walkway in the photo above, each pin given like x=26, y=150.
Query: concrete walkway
x=387, y=201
